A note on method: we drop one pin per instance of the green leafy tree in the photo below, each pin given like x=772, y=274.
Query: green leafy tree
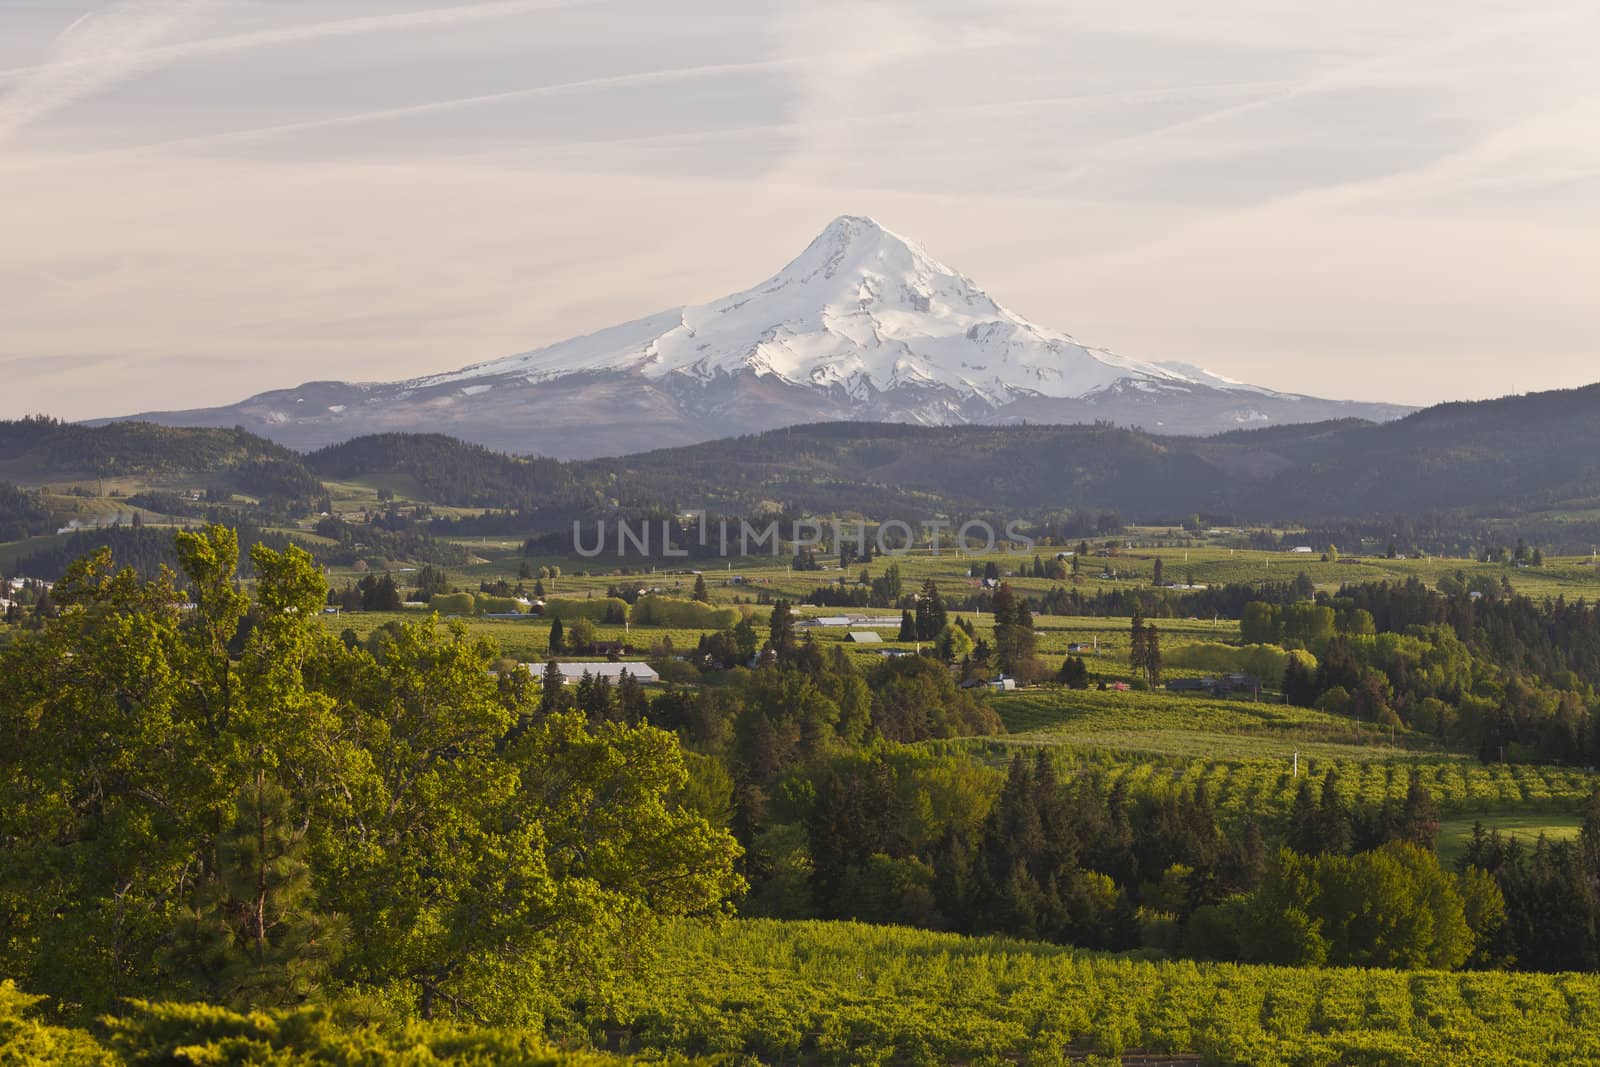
x=183, y=802
x=953, y=644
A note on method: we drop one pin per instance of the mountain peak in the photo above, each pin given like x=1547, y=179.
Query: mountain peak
x=862, y=324
x=855, y=244
x=861, y=309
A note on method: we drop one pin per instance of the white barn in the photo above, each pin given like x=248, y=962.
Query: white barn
x=572, y=673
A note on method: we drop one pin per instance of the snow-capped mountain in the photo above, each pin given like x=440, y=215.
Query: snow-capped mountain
x=863, y=324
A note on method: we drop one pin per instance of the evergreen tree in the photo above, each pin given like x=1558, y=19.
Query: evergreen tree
x=558, y=642
x=1004, y=607
x=701, y=593
x=1152, y=655
x=1333, y=818
x=253, y=936
x=632, y=704
x=1305, y=831
x=745, y=640
x=1419, y=818
x=1074, y=673
x=782, y=628
x=1014, y=638
x=552, y=689
x=908, y=626
x=1299, y=683
x=931, y=616
x=1138, y=648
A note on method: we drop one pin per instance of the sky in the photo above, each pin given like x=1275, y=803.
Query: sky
x=204, y=199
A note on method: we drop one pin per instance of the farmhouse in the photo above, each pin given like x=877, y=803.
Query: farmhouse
x=1240, y=685
x=572, y=673
x=1002, y=683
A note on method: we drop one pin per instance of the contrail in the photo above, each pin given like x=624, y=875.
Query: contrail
x=100, y=48
x=612, y=81
x=123, y=40
x=151, y=55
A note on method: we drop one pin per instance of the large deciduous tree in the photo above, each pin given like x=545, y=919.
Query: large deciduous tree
x=214, y=796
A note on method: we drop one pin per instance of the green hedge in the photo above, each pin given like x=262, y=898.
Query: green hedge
x=1266, y=662
x=597, y=609
x=454, y=604
x=682, y=614
x=497, y=605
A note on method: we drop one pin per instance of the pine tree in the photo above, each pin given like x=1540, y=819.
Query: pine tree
x=1138, y=656
x=1333, y=818
x=1419, y=818
x=745, y=640
x=700, y=592
x=558, y=642
x=1152, y=655
x=1013, y=631
x=1004, y=607
x=254, y=937
x=1299, y=683
x=1305, y=833
x=1156, y=580
x=1589, y=837
x=908, y=626
x=632, y=704
x=781, y=628
x=931, y=616
x=552, y=688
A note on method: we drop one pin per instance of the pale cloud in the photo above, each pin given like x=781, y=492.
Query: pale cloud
x=95, y=51
x=215, y=197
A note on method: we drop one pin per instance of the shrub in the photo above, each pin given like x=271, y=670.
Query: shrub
x=598, y=609
x=454, y=603
x=682, y=614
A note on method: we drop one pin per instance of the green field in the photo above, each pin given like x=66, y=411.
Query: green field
x=841, y=993
x=1524, y=825
x=1206, y=564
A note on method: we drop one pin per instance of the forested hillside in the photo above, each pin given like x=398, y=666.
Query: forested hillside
x=40, y=449
x=1535, y=458
x=444, y=470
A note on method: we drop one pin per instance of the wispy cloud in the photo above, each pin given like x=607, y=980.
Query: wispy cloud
x=97, y=50
x=145, y=52
x=124, y=39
